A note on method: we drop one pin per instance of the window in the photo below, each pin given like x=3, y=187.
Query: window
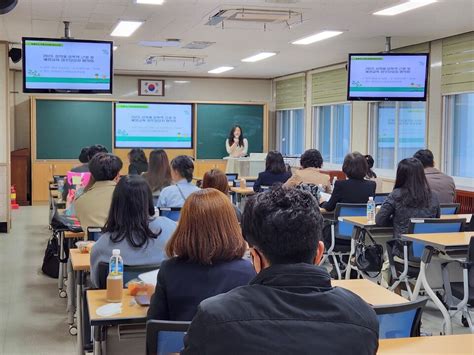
x=332, y=131
x=290, y=131
x=398, y=131
x=459, y=117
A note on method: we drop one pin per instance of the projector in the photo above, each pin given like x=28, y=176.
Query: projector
x=7, y=5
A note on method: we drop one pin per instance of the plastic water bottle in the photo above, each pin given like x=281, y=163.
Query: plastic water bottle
x=371, y=210
x=115, y=278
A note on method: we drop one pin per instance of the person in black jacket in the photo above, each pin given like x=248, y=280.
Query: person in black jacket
x=205, y=253
x=355, y=189
x=290, y=307
x=138, y=163
x=275, y=171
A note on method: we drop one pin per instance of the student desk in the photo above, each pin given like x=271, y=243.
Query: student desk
x=80, y=263
x=131, y=313
x=466, y=216
x=445, y=245
x=435, y=345
x=370, y=292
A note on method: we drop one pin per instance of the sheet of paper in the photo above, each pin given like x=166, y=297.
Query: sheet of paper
x=325, y=197
x=149, y=277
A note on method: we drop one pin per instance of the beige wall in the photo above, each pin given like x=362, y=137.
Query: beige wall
x=126, y=88
x=4, y=136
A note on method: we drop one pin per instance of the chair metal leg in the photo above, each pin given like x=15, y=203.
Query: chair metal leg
x=355, y=234
x=336, y=265
x=71, y=293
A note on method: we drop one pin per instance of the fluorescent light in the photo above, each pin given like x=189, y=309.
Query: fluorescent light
x=259, y=56
x=317, y=37
x=150, y=2
x=181, y=81
x=126, y=28
x=115, y=48
x=171, y=43
x=406, y=6
x=220, y=70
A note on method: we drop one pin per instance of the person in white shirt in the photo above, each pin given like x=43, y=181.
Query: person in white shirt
x=236, y=145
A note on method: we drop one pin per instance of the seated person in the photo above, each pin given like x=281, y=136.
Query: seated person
x=440, y=184
x=290, y=307
x=92, y=207
x=311, y=162
x=216, y=179
x=205, y=253
x=132, y=228
x=356, y=189
x=411, y=198
x=371, y=175
x=137, y=162
x=158, y=175
x=275, y=171
x=182, y=169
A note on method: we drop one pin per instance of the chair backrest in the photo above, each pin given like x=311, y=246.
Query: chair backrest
x=344, y=230
x=172, y=213
x=400, y=320
x=94, y=233
x=165, y=337
x=248, y=183
x=130, y=272
x=432, y=225
x=380, y=198
x=232, y=176
x=449, y=208
x=56, y=178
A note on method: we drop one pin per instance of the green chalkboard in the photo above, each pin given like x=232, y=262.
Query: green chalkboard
x=64, y=127
x=214, y=122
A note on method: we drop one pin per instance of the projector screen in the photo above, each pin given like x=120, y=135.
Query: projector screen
x=67, y=66
x=153, y=125
x=388, y=76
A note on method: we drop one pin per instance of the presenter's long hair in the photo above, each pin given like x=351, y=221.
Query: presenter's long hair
x=159, y=171
x=231, y=136
x=130, y=212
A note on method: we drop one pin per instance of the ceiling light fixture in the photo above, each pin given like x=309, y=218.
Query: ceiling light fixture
x=220, y=70
x=150, y=2
x=317, y=37
x=126, y=28
x=259, y=56
x=406, y=6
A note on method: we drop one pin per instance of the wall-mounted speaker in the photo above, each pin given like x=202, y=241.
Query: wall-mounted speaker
x=7, y=5
x=15, y=54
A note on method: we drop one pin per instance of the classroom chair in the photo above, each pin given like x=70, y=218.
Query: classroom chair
x=410, y=252
x=341, y=234
x=172, y=213
x=94, y=233
x=165, y=337
x=462, y=291
x=449, y=208
x=249, y=183
x=400, y=320
x=380, y=198
x=231, y=177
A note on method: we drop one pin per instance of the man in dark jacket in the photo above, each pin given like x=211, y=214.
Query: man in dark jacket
x=290, y=307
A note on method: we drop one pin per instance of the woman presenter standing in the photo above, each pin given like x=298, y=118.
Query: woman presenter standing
x=236, y=145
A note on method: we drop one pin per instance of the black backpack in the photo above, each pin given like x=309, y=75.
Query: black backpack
x=50, y=265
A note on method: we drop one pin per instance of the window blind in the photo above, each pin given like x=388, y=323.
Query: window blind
x=290, y=93
x=457, y=72
x=329, y=87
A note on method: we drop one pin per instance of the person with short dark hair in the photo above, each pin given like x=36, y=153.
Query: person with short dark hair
x=441, y=184
x=411, y=198
x=132, y=227
x=216, y=179
x=291, y=306
x=138, y=163
x=355, y=189
x=92, y=207
x=96, y=149
x=311, y=163
x=84, y=155
x=182, y=169
x=206, y=257
x=275, y=172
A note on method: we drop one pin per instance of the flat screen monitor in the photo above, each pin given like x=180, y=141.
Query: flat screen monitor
x=153, y=125
x=387, y=77
x=67, y=66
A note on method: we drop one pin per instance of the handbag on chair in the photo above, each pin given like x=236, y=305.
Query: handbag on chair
x=368, y=258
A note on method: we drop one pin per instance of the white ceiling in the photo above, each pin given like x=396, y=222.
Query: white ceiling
x=185, y=19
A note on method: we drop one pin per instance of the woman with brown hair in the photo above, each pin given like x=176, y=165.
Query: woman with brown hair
x=205, y=253
x=216, y=179
x=158, y=175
